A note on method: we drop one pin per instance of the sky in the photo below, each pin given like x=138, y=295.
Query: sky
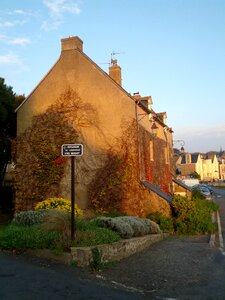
x=172, y=50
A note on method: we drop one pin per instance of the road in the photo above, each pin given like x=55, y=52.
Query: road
x=176, y=268
x=219, y=198
x=26, y=278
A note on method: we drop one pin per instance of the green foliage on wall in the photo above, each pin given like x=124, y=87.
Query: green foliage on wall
x=109, y=186
x=157, y=168
x=117, y=185
x=37, y=151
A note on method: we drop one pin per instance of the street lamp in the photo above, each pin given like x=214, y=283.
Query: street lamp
x=182, y=143
x=154, y=129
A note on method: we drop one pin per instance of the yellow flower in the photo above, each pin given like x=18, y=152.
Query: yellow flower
x=59, y=203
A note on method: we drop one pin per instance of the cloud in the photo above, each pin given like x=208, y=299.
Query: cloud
x=19, y=41
x=10, y=24
x=7, y=24
x=59, y=7
x=202, y=139
x=10, y=59
x=13, y=61
x=57, y=10
x=18, y=12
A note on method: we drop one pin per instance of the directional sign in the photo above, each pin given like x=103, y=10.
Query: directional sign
x=72, y=150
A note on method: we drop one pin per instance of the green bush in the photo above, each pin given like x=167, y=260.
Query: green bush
x=193, y=216
x=55, y=235
x=59, y=221
x=29, y=218
x=114, y=214
x=21, y=238
x=95, y=236
x=196, y=194
x=165, y=223
x=128, y=227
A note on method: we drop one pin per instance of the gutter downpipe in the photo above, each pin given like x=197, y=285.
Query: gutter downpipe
x=138, y=141
x=168, y=155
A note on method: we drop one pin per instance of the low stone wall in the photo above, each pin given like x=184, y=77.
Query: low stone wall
x=115, y=251
x=82, y=256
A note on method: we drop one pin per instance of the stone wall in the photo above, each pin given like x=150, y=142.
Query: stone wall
x=115, y=251
x=82, y=256
x=179, y=190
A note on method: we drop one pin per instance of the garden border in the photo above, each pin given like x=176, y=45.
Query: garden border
x=83, y=256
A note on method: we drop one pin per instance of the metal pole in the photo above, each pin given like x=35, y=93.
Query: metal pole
x=72, y=197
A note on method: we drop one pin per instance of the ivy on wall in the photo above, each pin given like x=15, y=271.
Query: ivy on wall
x=109, y=188
x=157, y=171
x=117, y=185
x=37, y=151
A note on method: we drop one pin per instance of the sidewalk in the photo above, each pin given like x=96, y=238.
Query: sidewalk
x=178, y=268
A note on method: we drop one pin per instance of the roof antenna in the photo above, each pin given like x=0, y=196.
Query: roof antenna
x=113, y=60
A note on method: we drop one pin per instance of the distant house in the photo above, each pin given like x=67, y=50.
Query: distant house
x=207, y=166
x=80, y=97
x=210, y=167
x=222, y=169
x=190, y=163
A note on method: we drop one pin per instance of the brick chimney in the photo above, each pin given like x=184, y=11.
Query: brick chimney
x=115, y=72
x=72, y=43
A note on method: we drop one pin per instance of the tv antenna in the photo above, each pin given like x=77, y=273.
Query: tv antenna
x=113, y=60
x=115, y=53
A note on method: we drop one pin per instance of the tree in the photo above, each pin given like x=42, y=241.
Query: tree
x=7, y=124
x=195, y=175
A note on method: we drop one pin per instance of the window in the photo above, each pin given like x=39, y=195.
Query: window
x=151, y=150
x=166, y=155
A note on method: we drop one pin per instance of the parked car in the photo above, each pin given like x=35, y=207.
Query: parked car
x=204, y=190
x=208, y=187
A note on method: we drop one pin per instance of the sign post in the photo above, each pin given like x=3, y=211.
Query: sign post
x=72, y=150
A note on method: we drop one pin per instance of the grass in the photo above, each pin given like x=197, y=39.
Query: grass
x=190, y=217
x=193, y=216
x=20, y=238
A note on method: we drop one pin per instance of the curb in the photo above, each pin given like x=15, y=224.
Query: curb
x=82, y=256
x=213, y=235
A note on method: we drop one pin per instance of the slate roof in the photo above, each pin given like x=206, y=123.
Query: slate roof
x=194, y=158
x=160, y=193
x=180, y=183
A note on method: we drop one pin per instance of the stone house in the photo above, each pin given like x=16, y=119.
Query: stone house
x=210, y=167
x=97, y=112
x=190, y=163
x=222, y=169
x=207, y=166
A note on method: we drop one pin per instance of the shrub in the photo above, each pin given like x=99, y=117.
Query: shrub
x=124, y=230
x=29, y=218
x=196, y=194
x=58, y=203
x=86, y=232
x=21, y=238
x=114, y=214
x=165, y=223
x=95, y=236
x=193, y=216
x=58, y=221
x=128, y=227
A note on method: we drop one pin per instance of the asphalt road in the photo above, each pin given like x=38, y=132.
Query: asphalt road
x=176, y=268
x=26, y=278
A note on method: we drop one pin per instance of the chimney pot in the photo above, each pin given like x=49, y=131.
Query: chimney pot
x=115, y=72
x=72, y=43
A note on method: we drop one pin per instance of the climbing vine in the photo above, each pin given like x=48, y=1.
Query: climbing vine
x=158, y=170
x=117, y=185
x=37, y=151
